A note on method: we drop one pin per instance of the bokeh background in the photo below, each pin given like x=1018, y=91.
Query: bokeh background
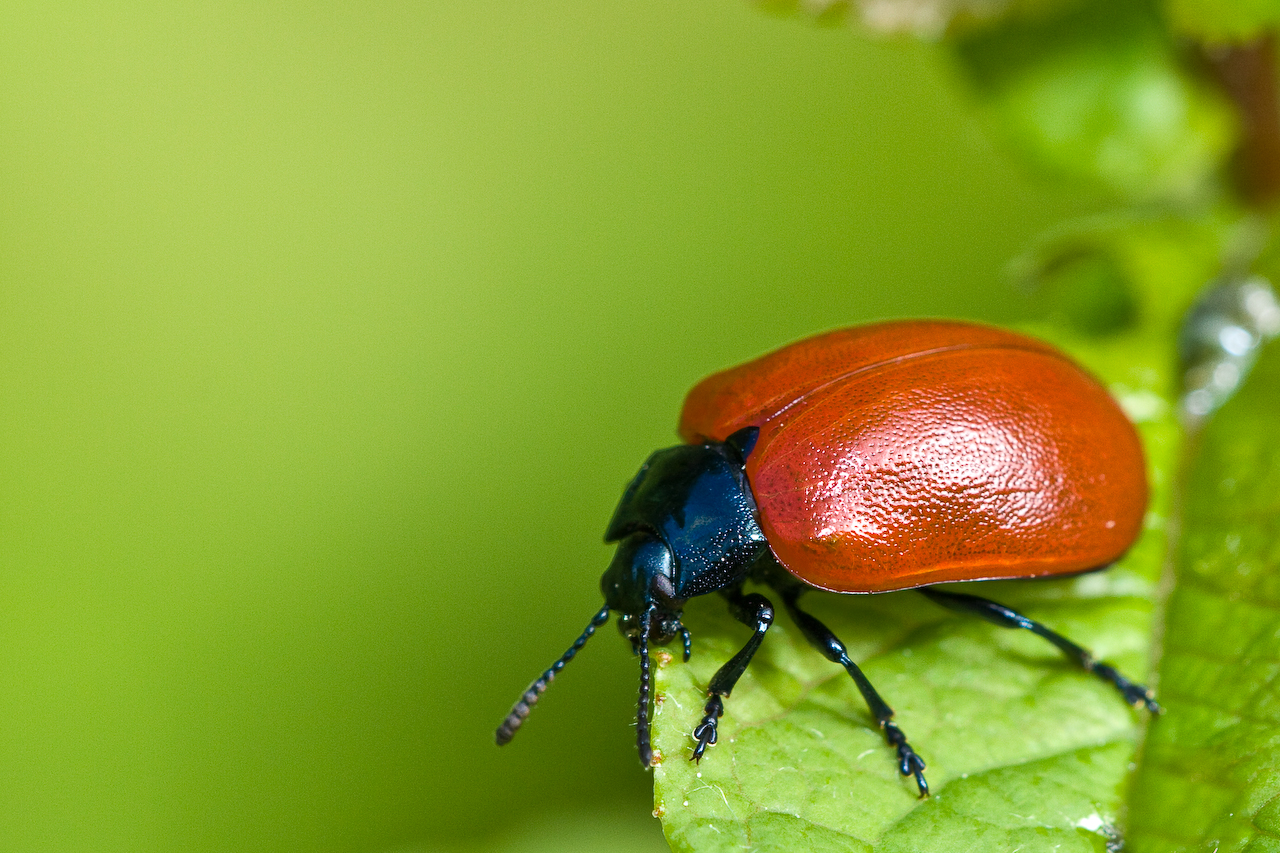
x=329, y=334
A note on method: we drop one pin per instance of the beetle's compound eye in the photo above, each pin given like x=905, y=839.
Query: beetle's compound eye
x=629, y=626
x=664, y=588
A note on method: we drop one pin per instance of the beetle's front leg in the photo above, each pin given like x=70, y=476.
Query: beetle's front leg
x=755, y=611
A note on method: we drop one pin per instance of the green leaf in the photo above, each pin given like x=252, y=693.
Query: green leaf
x=1210, y=776
x=1216, y=21
x=1024, y=750
x=1097, y=94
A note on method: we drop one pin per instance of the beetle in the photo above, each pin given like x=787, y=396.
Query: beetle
x=884, y=457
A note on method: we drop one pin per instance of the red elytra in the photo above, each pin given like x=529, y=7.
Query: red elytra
x=908, y=453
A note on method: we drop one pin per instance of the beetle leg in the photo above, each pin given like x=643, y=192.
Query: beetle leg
x=909, y=763
x=753, y=610
x=1135, y=694
x=687, y=642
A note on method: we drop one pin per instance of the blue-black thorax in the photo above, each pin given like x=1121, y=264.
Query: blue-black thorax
x=686, y=526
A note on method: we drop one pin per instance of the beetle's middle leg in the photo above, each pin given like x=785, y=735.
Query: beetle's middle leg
x=1135, y=694
x=909, y=763
x=754, y=611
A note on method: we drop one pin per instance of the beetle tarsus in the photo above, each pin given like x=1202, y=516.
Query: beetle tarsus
x=687, y=641
x=909, y=761
x=1137, y=695
x=706, y=732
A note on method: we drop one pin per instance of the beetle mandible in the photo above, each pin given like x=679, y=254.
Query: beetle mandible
x=884, y=457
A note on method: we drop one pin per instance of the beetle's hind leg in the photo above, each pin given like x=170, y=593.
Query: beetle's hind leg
x=909, y=763
x=1135, y=694
x=755, y=611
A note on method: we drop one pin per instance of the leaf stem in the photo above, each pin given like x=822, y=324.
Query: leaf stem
x=1247, y=74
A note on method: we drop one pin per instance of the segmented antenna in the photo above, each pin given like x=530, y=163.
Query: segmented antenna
x=525, y=704
x=642, y=710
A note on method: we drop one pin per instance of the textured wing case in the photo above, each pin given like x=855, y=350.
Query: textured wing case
x=903, y=454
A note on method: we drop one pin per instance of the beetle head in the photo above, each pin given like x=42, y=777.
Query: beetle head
x=638, y=579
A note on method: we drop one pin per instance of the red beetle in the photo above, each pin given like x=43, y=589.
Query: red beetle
x=883, y=457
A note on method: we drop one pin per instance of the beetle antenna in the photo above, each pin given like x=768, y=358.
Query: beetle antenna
x=524, y=705
x=642, y=709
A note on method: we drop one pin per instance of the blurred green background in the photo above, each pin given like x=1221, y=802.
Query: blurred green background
x=329, y=334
